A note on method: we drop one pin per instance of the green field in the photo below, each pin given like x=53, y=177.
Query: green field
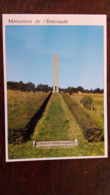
x=22, y=106
x=22, y=110
x=58, y=122
x=97, y=113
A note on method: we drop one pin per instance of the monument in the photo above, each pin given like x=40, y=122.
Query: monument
x=55, y=84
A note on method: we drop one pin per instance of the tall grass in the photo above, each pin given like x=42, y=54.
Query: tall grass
x=22, y=106
x=22, y=110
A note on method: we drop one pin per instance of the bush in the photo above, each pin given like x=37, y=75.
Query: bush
x=94, y=135
x=87, y=101
x=70, y=90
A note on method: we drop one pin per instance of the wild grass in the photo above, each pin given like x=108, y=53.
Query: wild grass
x=22, y=106
x=26, y=151
x=97, y=113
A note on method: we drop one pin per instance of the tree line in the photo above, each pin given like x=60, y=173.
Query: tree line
x=41, y=87
x=27, y=86
x=80, y=89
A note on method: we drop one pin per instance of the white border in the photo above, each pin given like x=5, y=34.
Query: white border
x=31, y=19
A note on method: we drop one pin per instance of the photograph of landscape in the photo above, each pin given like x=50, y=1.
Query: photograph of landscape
x=55, y=91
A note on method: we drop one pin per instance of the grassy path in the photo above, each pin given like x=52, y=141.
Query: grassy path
x=57, y=122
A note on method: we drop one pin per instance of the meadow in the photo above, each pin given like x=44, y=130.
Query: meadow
x=97, y=113
x=22, y=106
x=58, y=122
x=91, y=129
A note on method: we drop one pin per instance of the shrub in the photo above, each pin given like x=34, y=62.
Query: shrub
x=70, y=90
x=94, y=135
x=87, y=101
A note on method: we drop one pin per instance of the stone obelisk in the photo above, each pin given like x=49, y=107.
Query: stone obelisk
x=57, y=75
x=55, y=84
x=53, y=73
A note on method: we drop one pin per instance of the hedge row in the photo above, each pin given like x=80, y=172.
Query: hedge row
x=92, y=131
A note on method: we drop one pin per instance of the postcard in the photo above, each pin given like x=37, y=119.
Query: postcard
x=55, y=84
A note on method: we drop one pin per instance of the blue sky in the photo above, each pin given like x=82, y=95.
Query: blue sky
x=29, y=51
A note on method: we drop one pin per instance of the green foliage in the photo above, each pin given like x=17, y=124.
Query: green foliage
x=21, y=86
x=70, y=90
x=82, y=90
x=15, y=136
x=98, y=90
x=87, y=101
x=42, y=87
x=82, y=118
x=94, y=135
x=22, y=106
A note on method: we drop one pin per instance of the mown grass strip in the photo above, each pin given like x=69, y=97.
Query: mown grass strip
x=92, y=131
x=57, y=122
